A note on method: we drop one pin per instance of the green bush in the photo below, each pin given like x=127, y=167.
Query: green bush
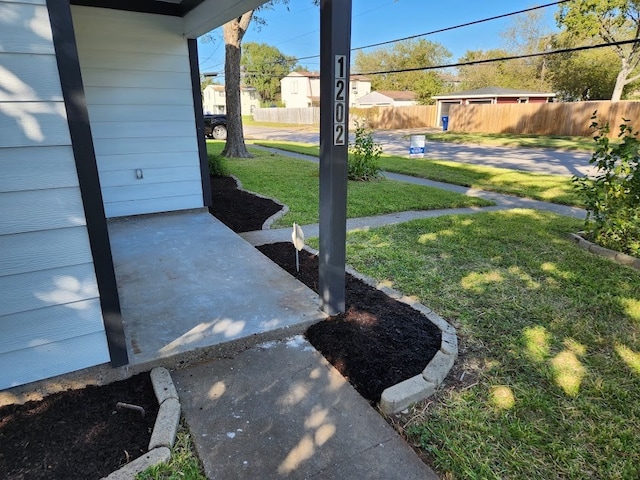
x=218, y=166
x=612, y=196
x=363, y=157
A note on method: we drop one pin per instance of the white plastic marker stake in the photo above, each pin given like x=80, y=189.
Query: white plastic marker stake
x=297, y=237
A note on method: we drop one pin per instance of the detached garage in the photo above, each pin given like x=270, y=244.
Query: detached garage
x=488, y=95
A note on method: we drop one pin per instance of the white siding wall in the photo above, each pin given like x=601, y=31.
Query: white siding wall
x=135, y=69
x=50, y=317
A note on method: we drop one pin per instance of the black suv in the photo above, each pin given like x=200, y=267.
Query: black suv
x=215, y=126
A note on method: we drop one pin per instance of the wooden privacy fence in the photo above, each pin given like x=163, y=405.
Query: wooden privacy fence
x=382, y=118
x=392, y=118
x=302, y=116
x=573, y=119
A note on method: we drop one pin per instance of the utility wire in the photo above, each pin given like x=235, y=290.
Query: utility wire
x=501, y=59
x=446, y=29
x=482, y=61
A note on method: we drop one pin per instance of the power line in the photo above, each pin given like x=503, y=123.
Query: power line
x=501, y=59
x=468, y=24
x=446, y=29
x=482, y=61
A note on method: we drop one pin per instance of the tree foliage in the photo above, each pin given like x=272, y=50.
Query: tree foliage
x=525, y=35
x=612, y=196
x=582, y=75
x=264, y=66
x=405, y=55
x=609, y=21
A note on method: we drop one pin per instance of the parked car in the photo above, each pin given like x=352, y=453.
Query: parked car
x=215, y=126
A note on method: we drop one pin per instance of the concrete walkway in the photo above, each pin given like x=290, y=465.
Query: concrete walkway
x=502, y=201
x=279, y=410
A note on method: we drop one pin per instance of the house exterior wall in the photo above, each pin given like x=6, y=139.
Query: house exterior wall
x=136, y=74
x=303, y=91
x=50, y=315
x=214, y=100
x=296, y=90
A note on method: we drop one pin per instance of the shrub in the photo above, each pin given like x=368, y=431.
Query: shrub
x=612, y=196
x=363, y=156
x=217, y=165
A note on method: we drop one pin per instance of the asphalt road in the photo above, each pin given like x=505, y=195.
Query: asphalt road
x=396, y=142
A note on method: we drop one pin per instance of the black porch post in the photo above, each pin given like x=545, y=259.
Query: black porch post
x=335, y=43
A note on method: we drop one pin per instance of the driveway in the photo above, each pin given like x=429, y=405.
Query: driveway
x=396, y=142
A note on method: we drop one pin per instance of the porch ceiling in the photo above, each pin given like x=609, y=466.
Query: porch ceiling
x=200, y=16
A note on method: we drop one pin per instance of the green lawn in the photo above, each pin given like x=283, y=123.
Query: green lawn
x=513, y=140
x=548, y=188
x=295, y=183
x=550, y=345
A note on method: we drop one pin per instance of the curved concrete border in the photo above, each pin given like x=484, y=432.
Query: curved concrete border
x=165, y=428
x=269, y=221
x=620, y=258
x=400, y=396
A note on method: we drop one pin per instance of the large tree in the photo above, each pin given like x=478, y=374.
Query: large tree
x=405, y=55
x=582, y=75
x=525, y=35
x=610, y=21
x=264, y=66
x=233, y=32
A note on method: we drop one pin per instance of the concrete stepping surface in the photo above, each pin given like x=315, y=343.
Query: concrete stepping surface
x=280, y=410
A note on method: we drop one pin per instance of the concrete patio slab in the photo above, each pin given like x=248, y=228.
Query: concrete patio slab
x=186, y=281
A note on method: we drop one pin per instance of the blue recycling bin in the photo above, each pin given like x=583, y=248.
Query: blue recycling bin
x=445, y=123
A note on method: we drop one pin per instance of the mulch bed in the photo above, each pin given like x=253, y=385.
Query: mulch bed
x=237, y=209
x=77, y=434
x=377, y=342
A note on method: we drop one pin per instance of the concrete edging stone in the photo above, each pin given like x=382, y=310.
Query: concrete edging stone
x=396, y=398
x=617, y=257
x=165, y=428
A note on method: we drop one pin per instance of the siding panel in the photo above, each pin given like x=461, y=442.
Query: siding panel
x=41, y=210
x=47, y=325
x=137, y=73
x=25, y=29
x=150, y=177
x=21, y=78
x=25, y=124
x=165, y=204
x=47, y=288
x=50, y=315
x=52, y=359
x=21, y=168
x=35, y=251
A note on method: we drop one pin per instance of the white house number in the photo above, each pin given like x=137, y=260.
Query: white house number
x=339, y=101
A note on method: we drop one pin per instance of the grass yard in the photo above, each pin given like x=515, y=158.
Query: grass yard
x=548, y=188
x=550, y=345
x=295, y=183
x=513, y=140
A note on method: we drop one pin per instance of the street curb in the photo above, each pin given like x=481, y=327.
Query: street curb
x=396, y=398
x=164, y=429
x=617, y=257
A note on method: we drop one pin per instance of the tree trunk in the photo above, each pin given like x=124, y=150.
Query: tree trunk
x=233, y=31
x=621, y=81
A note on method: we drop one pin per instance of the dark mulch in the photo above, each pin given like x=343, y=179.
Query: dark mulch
x=237, y=209
x=77, y=434
x=377, y=342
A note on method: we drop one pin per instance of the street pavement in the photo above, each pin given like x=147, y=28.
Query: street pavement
x=396, y=142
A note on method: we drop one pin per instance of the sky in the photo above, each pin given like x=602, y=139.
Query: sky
x=296, y=31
